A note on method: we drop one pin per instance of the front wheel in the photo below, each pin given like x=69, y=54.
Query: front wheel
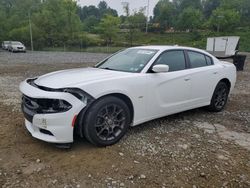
x=106, y=121
x=219, y=98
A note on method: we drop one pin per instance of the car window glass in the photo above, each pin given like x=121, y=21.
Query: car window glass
x=129, y=60
x=174, y=59
x=209, y=60
x=196, y=59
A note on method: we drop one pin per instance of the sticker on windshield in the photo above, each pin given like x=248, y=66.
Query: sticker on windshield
x=147, y=52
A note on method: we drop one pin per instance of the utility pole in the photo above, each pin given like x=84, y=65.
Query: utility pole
x=31, y=37
x=147, y=17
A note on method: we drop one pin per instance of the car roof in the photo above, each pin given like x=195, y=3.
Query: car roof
x=173, y=47
x=164, y=47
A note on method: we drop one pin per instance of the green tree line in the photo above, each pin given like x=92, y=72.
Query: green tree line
x=62, y=23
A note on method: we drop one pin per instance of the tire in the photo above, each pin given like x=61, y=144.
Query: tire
x=106, y=121
x=219, y=98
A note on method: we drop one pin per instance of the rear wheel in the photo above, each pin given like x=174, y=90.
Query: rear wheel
x=219, y=98
x=106, y=121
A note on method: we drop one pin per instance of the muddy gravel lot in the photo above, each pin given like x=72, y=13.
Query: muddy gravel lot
x=194, y=149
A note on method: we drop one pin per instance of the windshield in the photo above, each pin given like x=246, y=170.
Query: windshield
x=129, y=60
x=16, y=43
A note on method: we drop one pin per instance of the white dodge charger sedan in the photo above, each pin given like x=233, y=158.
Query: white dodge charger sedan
x=128, y=88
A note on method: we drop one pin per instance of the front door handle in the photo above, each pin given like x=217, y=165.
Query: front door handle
x=215, y=72
x=187, y=79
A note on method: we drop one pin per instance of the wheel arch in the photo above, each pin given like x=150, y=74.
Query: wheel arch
x=78, y=129
x=227, y=82
x=124, y=98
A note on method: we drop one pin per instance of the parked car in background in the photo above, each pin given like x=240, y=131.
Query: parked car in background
x=131, y=87
x=16, y=46
x=5, y=45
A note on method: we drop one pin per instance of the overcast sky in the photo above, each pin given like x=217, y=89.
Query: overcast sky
x=117, y=4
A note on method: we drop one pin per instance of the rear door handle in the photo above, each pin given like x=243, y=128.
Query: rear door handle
x=187, y=79
x=215, y=72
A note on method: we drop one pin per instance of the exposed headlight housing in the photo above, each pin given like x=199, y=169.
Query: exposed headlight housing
x=46, y=105
x=78, y=93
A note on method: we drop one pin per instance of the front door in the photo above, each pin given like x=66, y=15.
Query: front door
x=169, y=92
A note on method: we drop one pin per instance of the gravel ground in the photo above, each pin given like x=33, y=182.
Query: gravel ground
x=190, y=149
x=51, y=57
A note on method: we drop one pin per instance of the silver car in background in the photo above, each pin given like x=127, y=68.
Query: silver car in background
x=5, y=45
x=16, y=46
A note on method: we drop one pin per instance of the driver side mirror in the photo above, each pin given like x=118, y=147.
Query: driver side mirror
x=160, y=68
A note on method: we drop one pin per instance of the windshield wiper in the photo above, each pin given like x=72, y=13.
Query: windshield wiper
x=107, y=68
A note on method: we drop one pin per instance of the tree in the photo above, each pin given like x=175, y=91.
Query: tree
x=103, y=6
x=195, y=4
x=105, y=9
x=109, y=28
x=135, y=23
x=224, y=19
x=209, y=6
x=164, y=13
x=98, y=12
x=180, y=5
x=189, y=19
x=90, y=23
x=241, y=6
x=245, y=13
x=59, y=22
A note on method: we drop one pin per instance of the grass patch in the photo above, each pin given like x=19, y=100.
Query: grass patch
x=195, y=39
x=98, y=49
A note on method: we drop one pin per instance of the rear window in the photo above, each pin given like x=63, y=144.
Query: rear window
x=196, y=59
x=209, y=60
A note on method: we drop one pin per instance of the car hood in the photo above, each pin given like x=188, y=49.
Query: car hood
x=75, y=77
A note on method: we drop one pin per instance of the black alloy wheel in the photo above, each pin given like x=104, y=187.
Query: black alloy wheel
x=220, y=97
x=106, y=121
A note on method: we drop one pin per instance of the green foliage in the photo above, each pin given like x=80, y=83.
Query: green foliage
x=90, y=23
x=62, y=24
x=109, y=28
x=224, y=19
x=189, y=19
x=98, y=12
x=209, y=6
x=183, y=4
x=164, y=13
x=133, y=24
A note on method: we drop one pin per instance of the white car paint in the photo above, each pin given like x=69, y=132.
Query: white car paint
x=16, y=46
x=5, y=45
x=152, y=95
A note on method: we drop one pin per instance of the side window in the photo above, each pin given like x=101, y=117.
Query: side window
x=174, y=59
x=196, y=59
x=209, y=60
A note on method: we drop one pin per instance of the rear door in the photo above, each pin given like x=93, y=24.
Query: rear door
x=204, y=77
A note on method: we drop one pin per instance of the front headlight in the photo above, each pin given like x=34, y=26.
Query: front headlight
x=46, y=105
x=80, y=94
